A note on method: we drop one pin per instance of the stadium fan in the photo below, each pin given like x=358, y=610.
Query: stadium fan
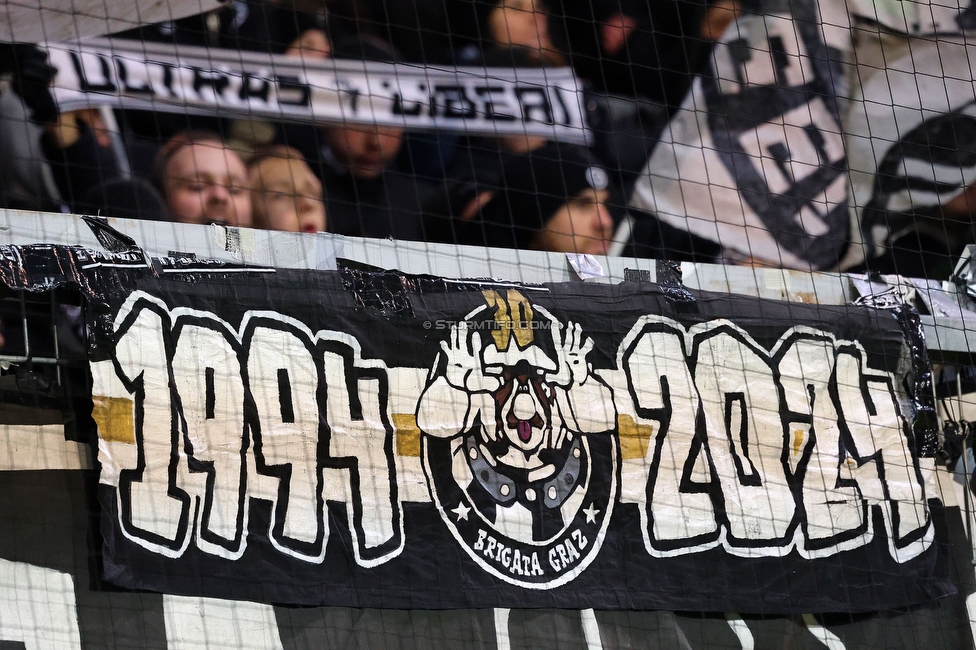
x=51, y=158
x=78, y=148
x=249, y=25
x=124, y=198
x=524, y=23
x=23, y=184
x=203, y=181
x=73, y=149
x=552, y=199
x=475, y=171
x=365, y=194
x=285, y=193
x=477, y=26
x=264, y=26
x=633, y=47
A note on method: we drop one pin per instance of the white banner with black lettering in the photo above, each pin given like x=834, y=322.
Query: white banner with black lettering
x=754, y=160
x=546, y=102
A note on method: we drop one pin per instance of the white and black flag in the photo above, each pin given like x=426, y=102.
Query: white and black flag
x=911, y=138
x=754, y=159
x=918, y=17
x=185, y=79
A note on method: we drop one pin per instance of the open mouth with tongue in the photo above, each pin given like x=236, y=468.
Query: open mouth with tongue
x=522, y=413
x=525, y=432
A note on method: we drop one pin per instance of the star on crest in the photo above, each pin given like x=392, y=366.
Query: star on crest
x=461, y=511
x=591, y=514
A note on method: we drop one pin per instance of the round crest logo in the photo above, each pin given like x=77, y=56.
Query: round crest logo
x=518, y=447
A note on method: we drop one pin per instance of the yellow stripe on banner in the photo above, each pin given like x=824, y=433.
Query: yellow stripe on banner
x=634, y=437
x=798, y=436
x=407, y=434
x=113, y=415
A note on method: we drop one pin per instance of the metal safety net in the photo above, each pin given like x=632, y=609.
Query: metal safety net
x=530, y=323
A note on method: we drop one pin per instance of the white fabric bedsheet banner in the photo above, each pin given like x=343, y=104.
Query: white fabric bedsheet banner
x=755, y=159
x=910, y=136
x=918, y=18
x=490, y=101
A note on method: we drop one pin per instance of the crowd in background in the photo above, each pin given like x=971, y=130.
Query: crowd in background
x=507, y=191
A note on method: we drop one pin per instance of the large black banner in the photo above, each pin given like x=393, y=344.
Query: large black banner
x=377, y=440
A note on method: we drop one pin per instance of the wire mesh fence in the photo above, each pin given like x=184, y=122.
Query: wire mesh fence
x=491, y=324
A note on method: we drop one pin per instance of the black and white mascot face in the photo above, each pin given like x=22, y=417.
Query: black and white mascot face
x=525, y=429
x=516, y=449
x=523, y=408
